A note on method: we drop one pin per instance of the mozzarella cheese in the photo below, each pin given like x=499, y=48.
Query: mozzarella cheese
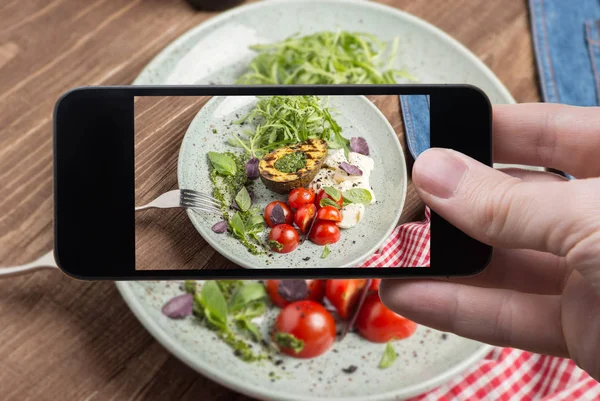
x=331, y=175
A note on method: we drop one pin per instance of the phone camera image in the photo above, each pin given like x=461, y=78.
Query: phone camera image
x=260, y=182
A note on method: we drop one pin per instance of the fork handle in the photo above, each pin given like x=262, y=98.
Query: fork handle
x=45, y=262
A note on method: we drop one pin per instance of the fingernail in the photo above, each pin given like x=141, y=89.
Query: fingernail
x=439, y=172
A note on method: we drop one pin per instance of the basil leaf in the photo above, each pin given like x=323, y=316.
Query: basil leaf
x=326, y=252
x=388, y=357
x=358, y=195
x=237, y=225
x=228, y=287
x=246, y=294
x=346, y=202
x=255, y=309
x=328, y=202
x=333, y=192
x=243, y=199
x=212, y=300
x=249, y=328
x=224, y=164
x=293, y=290
x=277, y=215
x=256, y=222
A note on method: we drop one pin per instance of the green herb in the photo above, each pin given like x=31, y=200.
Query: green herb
x=221, y=162
x=249, y=328
x=358, y=195
x=214, y=130
x=237, y=225
x=215, y=307
x=245, y=295
x=388, y=357
x=228, y=287
x=189, y=286
x=279, y=121
x=333, y=192
x=243, y=200
x=275, y=245
x=291, y=162
x=255, y=222
x=328, y=202
x=288, y=341
x=326, y=252
x=325, y=58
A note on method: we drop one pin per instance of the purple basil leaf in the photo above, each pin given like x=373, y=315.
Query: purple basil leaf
x=252, y=197
x=361, y=301
x=293, y=290
x=252, y=168
x=277, y=215
x=220, y=227
x=350, y=169
x=179, y=307
x=358, y=144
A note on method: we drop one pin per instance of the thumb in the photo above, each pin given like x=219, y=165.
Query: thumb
x=503, y=210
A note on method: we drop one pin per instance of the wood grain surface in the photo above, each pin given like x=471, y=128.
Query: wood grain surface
x=71, y=340
x=166, y=239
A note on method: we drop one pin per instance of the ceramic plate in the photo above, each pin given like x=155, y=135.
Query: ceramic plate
x=358, y=117
x=216, y=52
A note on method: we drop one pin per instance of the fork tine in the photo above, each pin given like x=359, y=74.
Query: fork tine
x=186, y=202
x=187, y=198
x=193, y=193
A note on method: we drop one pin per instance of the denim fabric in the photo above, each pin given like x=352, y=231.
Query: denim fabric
x=415, y=113
x=566, y=39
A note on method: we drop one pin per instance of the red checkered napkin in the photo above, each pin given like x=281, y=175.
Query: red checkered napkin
x=505, y=373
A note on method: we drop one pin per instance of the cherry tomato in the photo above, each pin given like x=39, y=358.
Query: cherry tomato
x=322, y=194
x=329, y=213
x=304, y=216
x=324, y=232
x=375, y=284
x=343, y=294
x=300, y=196
x=316, y=291
x=283, y=238
x=287, y=212
x=304, y=329
x=377, y=323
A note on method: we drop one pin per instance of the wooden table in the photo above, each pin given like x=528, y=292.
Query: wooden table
x=72, y=340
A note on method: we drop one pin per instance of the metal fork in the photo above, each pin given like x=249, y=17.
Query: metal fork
x=186, y=198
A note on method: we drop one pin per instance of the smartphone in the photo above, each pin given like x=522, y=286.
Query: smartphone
x=278, y=181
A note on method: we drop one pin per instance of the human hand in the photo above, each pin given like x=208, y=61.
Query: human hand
x=541, y=291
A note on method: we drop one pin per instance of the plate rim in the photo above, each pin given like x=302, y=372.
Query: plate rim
x=176, y=348
x=367, y=254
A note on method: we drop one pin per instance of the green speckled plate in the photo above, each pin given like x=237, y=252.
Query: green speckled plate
x=358, y=117
x=216, y=52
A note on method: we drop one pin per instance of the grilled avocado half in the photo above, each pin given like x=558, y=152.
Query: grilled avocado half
x=293, y=166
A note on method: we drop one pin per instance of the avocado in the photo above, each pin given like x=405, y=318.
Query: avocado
x=307, y=157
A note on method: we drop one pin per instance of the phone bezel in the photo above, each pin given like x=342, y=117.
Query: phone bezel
x=94, y=172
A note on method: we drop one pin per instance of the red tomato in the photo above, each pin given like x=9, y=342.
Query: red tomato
x=377, y=323
x=287, y=212
x=304, y=329
x=375, y=284
x=322, y=194
x=329, y=213
x=283, y=238
x=343, y=294
x=300, y=196
x=324, y=232
x=304, y=216
x=316, y=291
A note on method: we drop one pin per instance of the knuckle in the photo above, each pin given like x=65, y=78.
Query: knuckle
x=496, y=210
x=504, y=321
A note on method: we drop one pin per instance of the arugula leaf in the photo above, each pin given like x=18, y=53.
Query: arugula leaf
x=333, y=192
x=243, y=199
x=222, y=163
x=358, y=195
x=328, y=202
x=388, y=357
x=212, y=300
x=245, y=295
x=326, y=252
x=237, y=225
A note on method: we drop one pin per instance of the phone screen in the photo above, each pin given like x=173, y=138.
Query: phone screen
x=279, y=181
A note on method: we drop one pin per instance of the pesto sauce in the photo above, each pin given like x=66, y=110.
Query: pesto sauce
x=291, y=162
x=225, y=188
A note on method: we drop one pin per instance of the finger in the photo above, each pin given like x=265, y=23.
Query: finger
x=548, y=135
x=498, y=317
x=529, y=175
x=505, y=211
x=522, y=270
